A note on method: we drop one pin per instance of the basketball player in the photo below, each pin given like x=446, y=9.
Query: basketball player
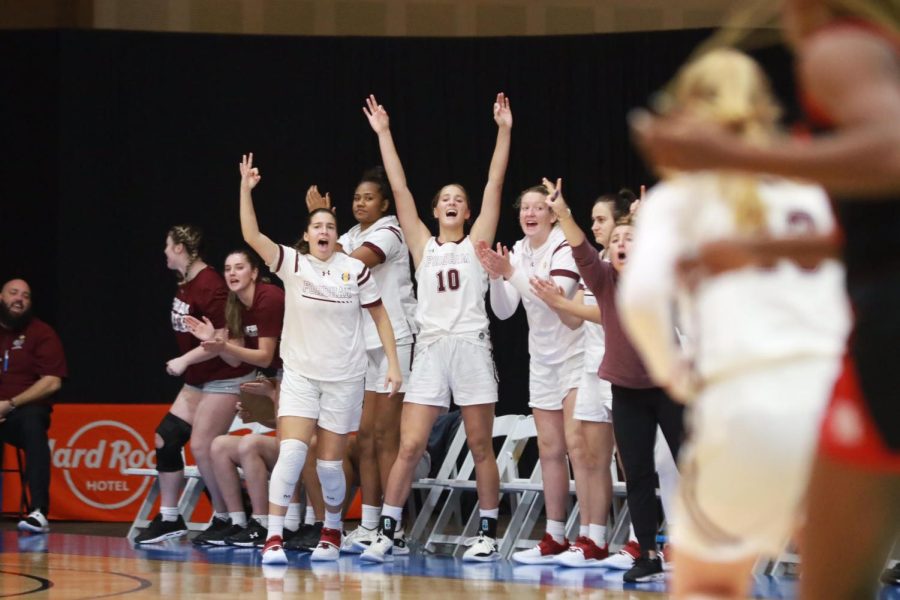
x=847, y=56
x=453, y=351
x=324, y=362
x=768, y=339
x=378, y=242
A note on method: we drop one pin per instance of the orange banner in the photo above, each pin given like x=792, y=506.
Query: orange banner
x=90, y=444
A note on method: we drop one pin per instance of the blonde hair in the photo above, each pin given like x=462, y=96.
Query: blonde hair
x=727, y=87
x=191, y=237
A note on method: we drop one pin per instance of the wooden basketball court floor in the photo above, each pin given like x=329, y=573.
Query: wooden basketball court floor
x=69, y=566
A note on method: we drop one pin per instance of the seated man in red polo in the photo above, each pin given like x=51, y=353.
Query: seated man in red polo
x=32, y=366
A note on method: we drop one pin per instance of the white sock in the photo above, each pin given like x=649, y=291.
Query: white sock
x=262, y=520
x=276, y=526
x=557, y=530
x=598, y=534
x=370, y=516
x=169, y=513
x=583, y=530
x=333, y=520
x=631, y=536
x=238, y=518
x=310, y=515
x=292, y=518
x=491, y=513
x=394, y=512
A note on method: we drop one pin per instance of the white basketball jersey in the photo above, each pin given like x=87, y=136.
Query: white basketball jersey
x=549, y=340
x=451, y=286
x=322, y=337
x=385, y=239
x=753, y=315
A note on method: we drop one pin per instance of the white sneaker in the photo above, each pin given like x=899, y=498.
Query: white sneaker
x=273, y=552
x=379, y=550
x=359, y=539
x=400, y=547
x=481, y=549
x=35, y=522
x=624, y=559
x=329, y=547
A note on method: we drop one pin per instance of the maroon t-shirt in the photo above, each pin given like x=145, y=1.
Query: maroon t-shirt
x=28, y=355
x=621, y=364
x=203, y=296
x=264, y=318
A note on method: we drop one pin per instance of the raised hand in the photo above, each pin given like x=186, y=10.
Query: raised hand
x=202, y=330
x=249, y=174
x=495, y=262
x=555, y=200
x=502, y=113
x=378, y=117
x=315, y=200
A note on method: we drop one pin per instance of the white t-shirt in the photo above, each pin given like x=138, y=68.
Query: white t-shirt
x=451, y=285
x=550, y=342
x=322, y=337
x=745, y=318
x=385, y=239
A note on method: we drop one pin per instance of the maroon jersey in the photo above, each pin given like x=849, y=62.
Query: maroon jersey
x=203, y=296
x=264, y=318
x=28, y=355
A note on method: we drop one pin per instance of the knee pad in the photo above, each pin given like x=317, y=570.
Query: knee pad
x=331, y=476
x=291, y=456
x=175, y=433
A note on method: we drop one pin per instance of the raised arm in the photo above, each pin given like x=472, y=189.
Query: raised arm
x=266, y=248
x=485, y=226
x=415, y=231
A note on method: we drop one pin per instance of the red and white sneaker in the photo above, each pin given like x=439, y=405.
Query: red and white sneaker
x=329, y=547
x=583, y=553
x=544, y=553
x=273, y=552
x=624, y=558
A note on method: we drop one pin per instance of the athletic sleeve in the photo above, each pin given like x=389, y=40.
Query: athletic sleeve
x=285, y=262
x=564, y=271
x=647, y=287
x=504, y=298
x=385, y=242
x=369, y=295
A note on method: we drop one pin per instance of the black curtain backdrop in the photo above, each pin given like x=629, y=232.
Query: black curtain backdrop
x=112, y=137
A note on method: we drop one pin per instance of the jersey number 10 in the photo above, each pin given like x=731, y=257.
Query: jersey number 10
x=452, y=280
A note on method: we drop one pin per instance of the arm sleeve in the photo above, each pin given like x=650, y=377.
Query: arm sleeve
x=647, y=288
x=504, y=298
x=591, y=268
x=369, y=295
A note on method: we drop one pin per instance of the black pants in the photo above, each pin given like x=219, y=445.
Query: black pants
x=26, y=428
x=636, y=414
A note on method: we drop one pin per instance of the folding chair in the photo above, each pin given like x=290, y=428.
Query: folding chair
x=19, y=469
x=455, y=486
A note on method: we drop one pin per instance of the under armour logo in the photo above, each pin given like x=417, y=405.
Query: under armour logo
x=324, y=273
x=254, y=535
